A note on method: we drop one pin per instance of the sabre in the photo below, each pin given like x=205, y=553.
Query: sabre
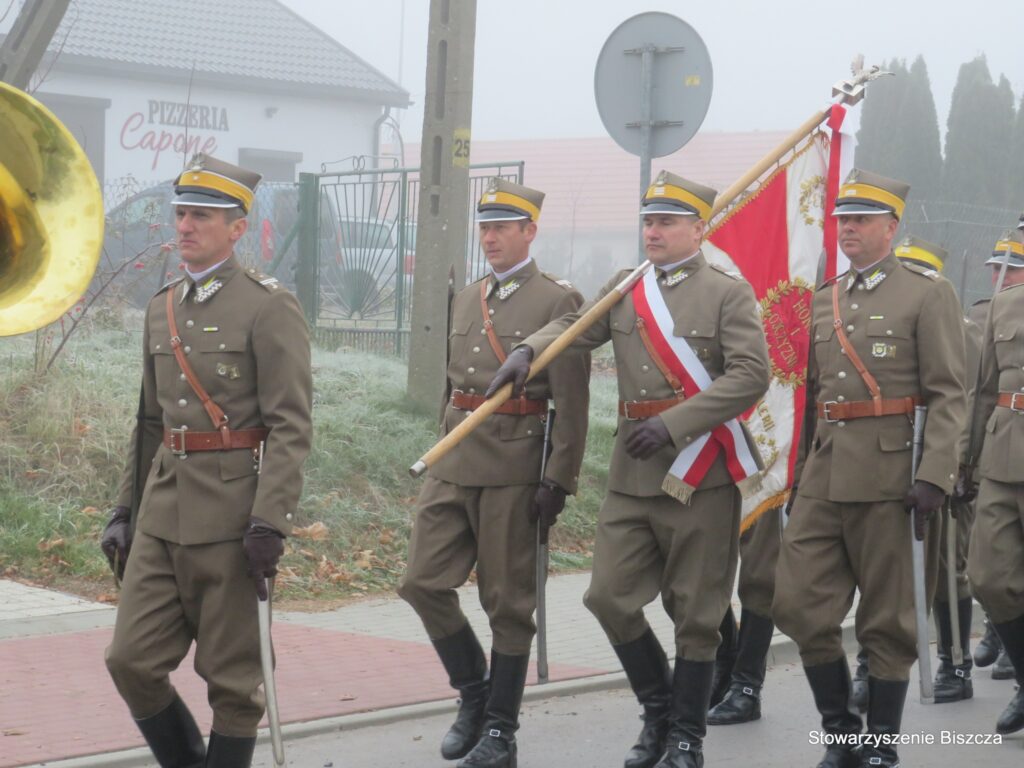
x=924, y=661
x=542, y=565
x=951, y=573
x=267, y=663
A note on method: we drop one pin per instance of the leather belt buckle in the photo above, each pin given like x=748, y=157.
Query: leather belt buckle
x=825, y=411
x=1013, y=402
x=177, y=435
x=456, y=393
x=625, y=409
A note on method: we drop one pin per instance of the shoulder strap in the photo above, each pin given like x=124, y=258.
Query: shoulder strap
x=844, y=342
x=217, y=416
x=492, y=337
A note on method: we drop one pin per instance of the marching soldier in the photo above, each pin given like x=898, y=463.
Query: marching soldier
x=885, y=337
x=691, y=357
x=952, y=681
x=739, y=675
x=226, y=400
x=996, y=558
x=989, y=651
x=481, y=503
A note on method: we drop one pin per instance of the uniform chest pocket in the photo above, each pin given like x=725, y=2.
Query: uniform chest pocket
x=887, y=341
x=882, y=328
x=1008, y=345
x=221, y=342
x=702, y=337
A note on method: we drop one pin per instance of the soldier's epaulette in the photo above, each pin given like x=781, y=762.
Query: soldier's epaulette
x=926, y=271
x=558, y=281
x=827, y=283
x=169, y=284
x=735, y=275
x=267, y=281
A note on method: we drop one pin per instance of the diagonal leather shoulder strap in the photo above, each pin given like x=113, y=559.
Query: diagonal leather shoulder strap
x=847, y=347
x=492, y=337
x=217, y=416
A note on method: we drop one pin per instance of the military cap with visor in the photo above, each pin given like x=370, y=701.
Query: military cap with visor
x=504, y=200
x=865, y=194
x=922, y=253
x=212, y=183
x=677, y=196
x=1012, y=240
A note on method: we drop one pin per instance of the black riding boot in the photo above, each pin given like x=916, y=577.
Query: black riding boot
x=1011, y=634
x=230, y=751
x=952, y=682
x=830, y=684
x=497, y=745
x=859, y=690
x=1003, y=668
x=647, y=670
x=725, y=658
x=885, y=711
x=691, y=693
x=173, y=736
x=743, y=703
x=464, y=661
x=988, y=649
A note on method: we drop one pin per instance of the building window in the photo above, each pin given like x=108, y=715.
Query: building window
x=273, y=164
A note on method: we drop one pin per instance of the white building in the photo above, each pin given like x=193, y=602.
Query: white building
x=143, y=86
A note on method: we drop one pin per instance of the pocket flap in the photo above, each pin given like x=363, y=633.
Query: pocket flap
x=221, y=342
x=695, y=329
x=896, y=439
x=1005, y=334
x=521, y=427
x=235, y=464
x=888, y=329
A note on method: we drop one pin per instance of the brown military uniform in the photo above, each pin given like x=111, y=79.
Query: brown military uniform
x=759, y=552
x=848, y=529
x=996, y=558
x=974, y=325
x=648, y=542
x=473, y=509
x=186, y=578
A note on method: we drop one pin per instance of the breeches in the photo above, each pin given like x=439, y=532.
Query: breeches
x=171, y=596
x=759, y=553
x=457, y=527
x=685, y=552
x=995, y=564
x=831, y=549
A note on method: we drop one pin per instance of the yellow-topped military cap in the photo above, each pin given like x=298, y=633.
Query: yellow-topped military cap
x=918, y=251
x=212, y=183
x=675, y=195
x=1012, y=240
x=865, y=193
x=504, y=200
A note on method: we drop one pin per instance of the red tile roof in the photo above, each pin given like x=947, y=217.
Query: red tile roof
x=600, y=182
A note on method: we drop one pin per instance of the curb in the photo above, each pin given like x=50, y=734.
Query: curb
x=783, y=651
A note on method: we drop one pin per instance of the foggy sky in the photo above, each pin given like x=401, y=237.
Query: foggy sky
x=774, y=62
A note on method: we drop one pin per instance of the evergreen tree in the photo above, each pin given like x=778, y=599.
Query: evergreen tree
x=1016, y=170
x=916, y=143
x=878, y=118
x=978, y=134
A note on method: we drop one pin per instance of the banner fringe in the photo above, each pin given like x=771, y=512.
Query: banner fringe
x=772, y=502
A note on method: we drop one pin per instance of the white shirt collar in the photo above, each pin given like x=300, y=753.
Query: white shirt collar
x=197, y=276
x=502, y=275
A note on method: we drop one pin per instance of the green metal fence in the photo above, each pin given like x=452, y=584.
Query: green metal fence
x=356, y=251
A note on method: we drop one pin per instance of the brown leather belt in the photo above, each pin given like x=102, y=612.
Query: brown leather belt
x=634, y=410
x=1012, y=400
x=184, y=441
x=859, y=409
x=520, y=406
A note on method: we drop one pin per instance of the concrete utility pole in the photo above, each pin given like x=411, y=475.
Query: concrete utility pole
x=24, y=47
x=443, y=216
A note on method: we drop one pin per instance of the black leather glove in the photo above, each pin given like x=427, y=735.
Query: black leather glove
x=965, y=490
x=548, y=503
x=647, y=437
x=515, y=369
x=116, y=542
x=923, y=500
x=263, y=545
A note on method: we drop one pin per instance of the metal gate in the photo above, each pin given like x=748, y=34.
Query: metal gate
x=357, y=240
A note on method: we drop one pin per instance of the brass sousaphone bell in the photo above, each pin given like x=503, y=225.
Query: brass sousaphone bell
x=51, y=215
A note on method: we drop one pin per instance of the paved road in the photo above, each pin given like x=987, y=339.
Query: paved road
x=594, y=730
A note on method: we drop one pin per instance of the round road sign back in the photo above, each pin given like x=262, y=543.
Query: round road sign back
x=680, y=77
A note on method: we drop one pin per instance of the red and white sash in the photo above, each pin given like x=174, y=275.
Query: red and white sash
x=694, y=461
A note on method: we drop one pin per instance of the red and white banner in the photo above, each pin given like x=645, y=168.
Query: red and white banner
x=775, y=238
